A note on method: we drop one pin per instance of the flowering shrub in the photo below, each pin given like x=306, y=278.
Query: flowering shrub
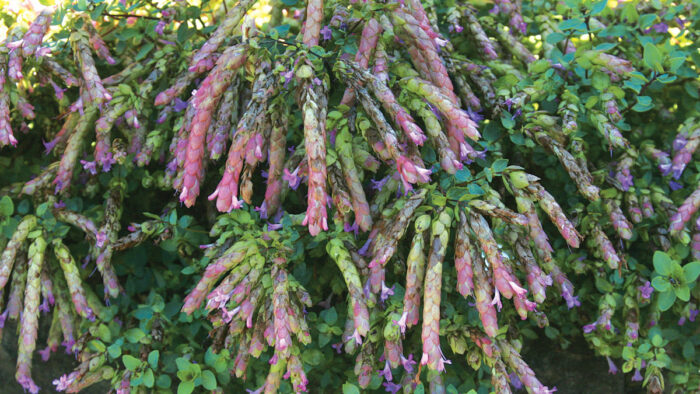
x=400, y=194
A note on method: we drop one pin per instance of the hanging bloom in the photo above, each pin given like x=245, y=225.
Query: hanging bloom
x=386, y=372
x=408, y=363
x=386, y=292
x=612, y=369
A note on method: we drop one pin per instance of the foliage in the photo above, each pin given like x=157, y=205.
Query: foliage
x=456, y=156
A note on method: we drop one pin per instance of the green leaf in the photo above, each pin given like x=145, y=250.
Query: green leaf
x=683, y=293
x=148, y=378
x=131, y=362
x=691, y=271
x=182, y=35
x=573, y=24
x=6, y=206
x=153, y=357
x=134, y=335
x=688, y=350
x=652, y=57
x=554, y=37
x=208, y=380
x=666, y=300
x=499, y=165
x=463, y=175
x=349, y=388
x=643, y=104
x=185, y=387
x=598, y=7
x=455, y=193
x=662, y=263
x=661, y=284
x=114, y=350
x=330, y=316
x=163, y=381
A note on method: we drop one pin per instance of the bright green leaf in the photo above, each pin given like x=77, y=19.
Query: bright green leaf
x=662, y=263
x=131, y=362
x=691, y=271
x=652, y=57
x=666, y=300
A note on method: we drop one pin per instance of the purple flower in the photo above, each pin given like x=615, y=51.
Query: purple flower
x=693, y=314
x=48, y=146
x=3, y=316
x=288, y=76
x=159, y=27
x=89, y=166
x=625, y=178
x=681, y=321
x=637, y=377
x=515, y=381
x=386, y=292
x=65, y=381
x=274, y=226
x=292, y=178
x=44, y=307
x=338, y=347
x=363, y=250
x=348, y=228
x=355, y=336
x=612, y=369
x=60, y=204
x=679, y=142
x=674, y=185
x=588, y=328
x=408, y=363
x=378, y=185
x=179, y=104
x=386, y=372
x=391, y=387
x=326, y=33
x=45, y=353
x=646, y=290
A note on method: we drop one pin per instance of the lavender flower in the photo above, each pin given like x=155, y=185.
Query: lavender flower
x=637, y=377
x=408, y=363
x=386, y=372
x=326, y=33
x=386, y=292
x=392, y=387
x=646, y=290
x=612, y=369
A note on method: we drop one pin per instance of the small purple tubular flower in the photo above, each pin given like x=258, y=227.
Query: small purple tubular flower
x=674, y=185
x=612, y=369
x=378, y=185
x=588, y=328
x=292, y=178
x=637, y=377
x=693, y=314
x=646, y=290
x=408, y=363
x=386, y=292
x=391, y=387
x=386, y=372
x=326, y=33
x=160, y=27
x=515, y=381
x=338, y=347
x=90, y=166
